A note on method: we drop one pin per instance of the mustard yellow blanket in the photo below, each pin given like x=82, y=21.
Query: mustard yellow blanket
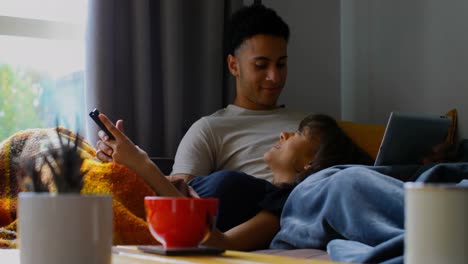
x=127, y=188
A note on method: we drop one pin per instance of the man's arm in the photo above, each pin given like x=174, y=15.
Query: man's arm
x=180, y=182
x=180, y=177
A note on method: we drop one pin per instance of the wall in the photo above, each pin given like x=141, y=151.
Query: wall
x=313, y=83
x=361, y=59
x=405, y=56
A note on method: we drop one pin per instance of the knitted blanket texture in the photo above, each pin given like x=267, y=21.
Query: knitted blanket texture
x=128, y=190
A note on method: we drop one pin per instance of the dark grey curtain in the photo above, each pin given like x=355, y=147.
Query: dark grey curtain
x=158, y=65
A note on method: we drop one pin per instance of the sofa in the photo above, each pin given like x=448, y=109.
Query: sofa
x=131, y=228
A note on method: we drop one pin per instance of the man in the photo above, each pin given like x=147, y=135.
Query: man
x=236, y=137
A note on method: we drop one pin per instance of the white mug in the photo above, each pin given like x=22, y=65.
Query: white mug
x=436, y=223
x=65, y=228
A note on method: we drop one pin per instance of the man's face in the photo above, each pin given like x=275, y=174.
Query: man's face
x=260, y=68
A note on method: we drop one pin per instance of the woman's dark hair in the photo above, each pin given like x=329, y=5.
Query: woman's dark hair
x=252, y=20
x=335, y=147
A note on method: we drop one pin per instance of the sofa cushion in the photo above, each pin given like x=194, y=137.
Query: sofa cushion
x=366, y=136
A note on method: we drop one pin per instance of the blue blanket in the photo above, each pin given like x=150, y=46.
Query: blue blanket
x=356, y=213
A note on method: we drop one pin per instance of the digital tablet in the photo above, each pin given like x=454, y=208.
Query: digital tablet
x=410, y=137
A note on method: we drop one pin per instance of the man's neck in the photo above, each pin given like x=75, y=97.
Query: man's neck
x=256, y=107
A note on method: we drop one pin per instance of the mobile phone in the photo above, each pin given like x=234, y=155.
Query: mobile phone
x=95, y=116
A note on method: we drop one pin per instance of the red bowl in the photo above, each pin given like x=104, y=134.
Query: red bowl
x=180, y=222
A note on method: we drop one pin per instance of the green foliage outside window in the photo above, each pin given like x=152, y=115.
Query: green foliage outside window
x=31, y=99
x=19, y=105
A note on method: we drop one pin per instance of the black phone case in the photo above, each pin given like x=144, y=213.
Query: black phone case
x=95, y=116
x=201, y=250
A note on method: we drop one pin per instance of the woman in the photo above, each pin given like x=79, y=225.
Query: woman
x=319, y=143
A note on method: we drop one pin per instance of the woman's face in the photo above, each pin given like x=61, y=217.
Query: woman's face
x=293, y=152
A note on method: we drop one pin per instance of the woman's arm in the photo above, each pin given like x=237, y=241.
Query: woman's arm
x=125, y=152
x=256, y=233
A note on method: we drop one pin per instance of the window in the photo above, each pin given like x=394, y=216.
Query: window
x=41, y=64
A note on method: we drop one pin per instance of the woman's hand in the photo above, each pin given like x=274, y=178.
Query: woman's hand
x=121, y=150
x=104, y=152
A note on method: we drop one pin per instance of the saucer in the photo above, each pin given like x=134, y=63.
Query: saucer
x=200, y=250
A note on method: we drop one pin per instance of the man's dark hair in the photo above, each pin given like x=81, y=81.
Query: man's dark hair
x=252, y=20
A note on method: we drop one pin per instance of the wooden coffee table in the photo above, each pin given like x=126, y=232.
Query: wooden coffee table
x=131, y=255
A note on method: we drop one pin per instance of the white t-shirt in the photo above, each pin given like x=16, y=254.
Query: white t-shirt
x=233, y=138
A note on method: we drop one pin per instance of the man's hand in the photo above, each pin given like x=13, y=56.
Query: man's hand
x=180, y=182
x=184, y=188
x=180, y=177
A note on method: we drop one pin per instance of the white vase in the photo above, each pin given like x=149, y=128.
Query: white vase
x=64, y=228
x=436, y=218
